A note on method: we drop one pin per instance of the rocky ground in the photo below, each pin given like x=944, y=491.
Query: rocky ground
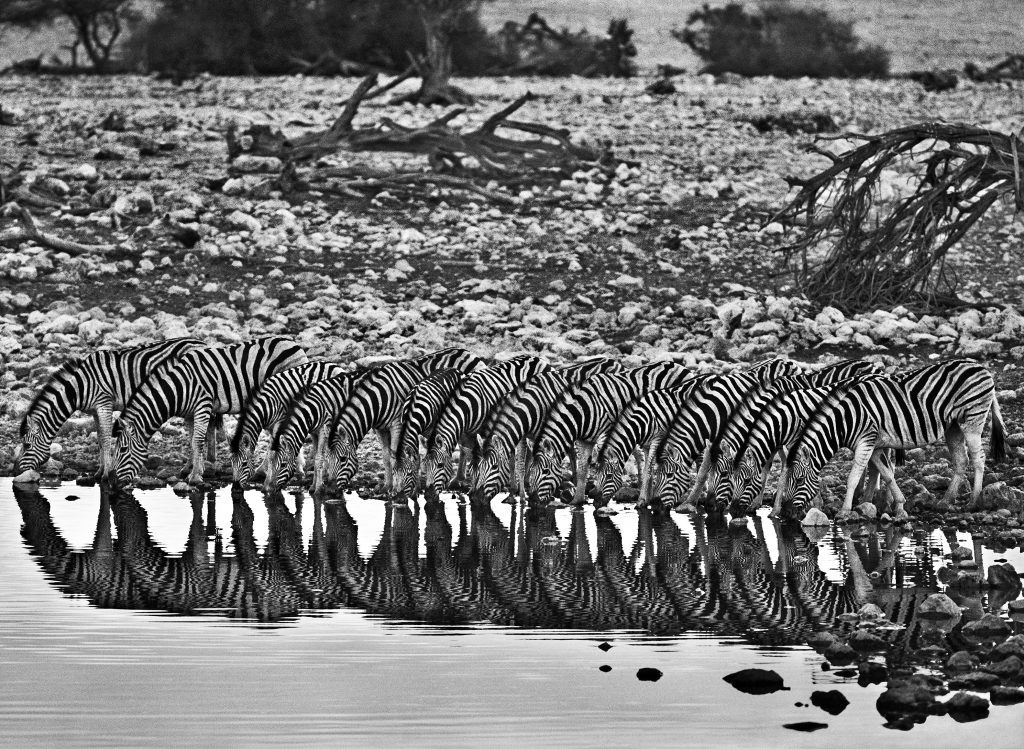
x=671, y=256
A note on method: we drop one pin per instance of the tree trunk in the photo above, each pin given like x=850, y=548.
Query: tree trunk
x=435, y=68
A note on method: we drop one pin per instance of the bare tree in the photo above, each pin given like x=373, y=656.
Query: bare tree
x=440, y=20
x=97, y=23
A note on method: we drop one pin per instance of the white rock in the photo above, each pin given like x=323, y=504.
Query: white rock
x=27, y=477
x=243, y=221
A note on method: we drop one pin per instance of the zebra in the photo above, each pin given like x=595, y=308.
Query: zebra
x=696, y=424
x=776, y=425
x=268, y=407
x=719, y=457
x=642, y=422
x=200, y=385
x=420, y=412
x=948, y=401
x=581, y=416
x=376, y=403
x=100, y=383
x=319, y=411
x=519, y=417
x=466, y=412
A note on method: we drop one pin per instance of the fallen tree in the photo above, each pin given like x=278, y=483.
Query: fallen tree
x=857, y=252
x=461, y=159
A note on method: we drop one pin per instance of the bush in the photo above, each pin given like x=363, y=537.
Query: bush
x=535, y=48
x=780, y=40
x=273, y=37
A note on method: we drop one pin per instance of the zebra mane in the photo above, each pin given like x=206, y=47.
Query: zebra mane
x=66, y=369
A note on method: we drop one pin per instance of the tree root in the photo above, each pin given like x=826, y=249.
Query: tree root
x=32, y=232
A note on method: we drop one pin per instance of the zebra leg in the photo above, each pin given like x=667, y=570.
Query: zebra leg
x=584, y=452
x=780, y=491
x=519, y=474
x=887, y=475
x=956, y=442
x=104, y=425
x=862, y=452
x=977, y=457
x=702, y=476
x=320, y=458
x=646, y=469
x=387, y=457
x=211, y=440
x=200, y=423
x=190, y=431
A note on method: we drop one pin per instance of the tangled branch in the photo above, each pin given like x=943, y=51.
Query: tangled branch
x=858, y=253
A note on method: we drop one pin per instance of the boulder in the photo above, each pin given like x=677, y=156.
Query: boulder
x=27, y=477
x=815, y=518
x=903, y=700
x=961, y=660
x=964, y=707
x=988, y=627
x=1006, y=695
x=756, y=681
x=1003, y=576
x=648, y=674
x=832, y=702
x=1008, y=669
x=939, y=606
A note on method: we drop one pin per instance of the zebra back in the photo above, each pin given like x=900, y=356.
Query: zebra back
x=312, y=409
x=269, y=404
x=448, y=358
x=477, y=394
x=770, y=369
x=226, y=375
x=79, y=383
x=642, y=420
x=423, y=407
x=582, y=412
x=375, y=401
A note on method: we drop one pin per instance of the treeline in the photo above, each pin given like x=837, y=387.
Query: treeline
x=350, y=37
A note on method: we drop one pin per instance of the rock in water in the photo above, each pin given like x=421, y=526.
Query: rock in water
x=756, y=681
x=648, y=674
x=939, y=606
x=903, y=700
x=989, y=626
x=964, y=707
x=27, y=477
x=815, y=518
x=1003, y=576
x=832, y=702
x=806, y=725
x=1006, y=695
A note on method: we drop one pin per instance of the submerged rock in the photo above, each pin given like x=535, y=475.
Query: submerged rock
x=988, y=626
x=1006, y=695
x=648, y=674
x=832, y=702
x=806, y=726
x=755, y=681
x=1003, y=576
x=902, y=700
x=964, y=707
x=939, y=606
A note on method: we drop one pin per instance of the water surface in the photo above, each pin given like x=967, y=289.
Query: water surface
x=242, y=620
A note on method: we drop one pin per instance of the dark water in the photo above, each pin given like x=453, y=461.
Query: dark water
x=238, y=621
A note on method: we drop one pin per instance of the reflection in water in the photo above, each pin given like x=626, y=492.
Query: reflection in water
x=766, y=582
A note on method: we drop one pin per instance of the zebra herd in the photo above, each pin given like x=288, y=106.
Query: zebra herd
x=515, y=421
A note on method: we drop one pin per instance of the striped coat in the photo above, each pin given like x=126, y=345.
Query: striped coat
x=201, y=385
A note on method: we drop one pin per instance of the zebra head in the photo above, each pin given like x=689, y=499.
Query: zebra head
x=487, y=475
x=437, y=472
x=542, y=476
x=406, y=477
x=663, y=476
x=34, y=449
x=341, y=462
x=746, y=484
x=801, y=483
x=243, y=461
x=608, y=479
x=129, y=453
x=279, y=468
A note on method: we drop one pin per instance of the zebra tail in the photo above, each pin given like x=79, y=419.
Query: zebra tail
x=899, y=456
x=998, y=434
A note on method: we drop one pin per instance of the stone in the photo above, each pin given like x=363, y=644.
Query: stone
x=1003, y=576
x=866, y=642
x=243, y=221
x=1006, y=695
x=939, y=606
x=648, y=674
x=832, y=702
x=806, y=726
x=904, y=700
x=815, y=518
x=841, y=654
x=975, y=681
x=1011, y=646
x=964, y=707
x=870, y=672
x=1008, y=669
x=867, y=510
x=821, y=641
x=869, y=612
x=961, y=553
x=27, y=477
x=961, y=660
x=989, y=626
x=755, y=681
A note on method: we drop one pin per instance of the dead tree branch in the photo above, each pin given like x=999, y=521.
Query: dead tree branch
x=30, y=232
x=859, y=251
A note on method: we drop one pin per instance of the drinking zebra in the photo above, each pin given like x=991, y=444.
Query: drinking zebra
x=420, y=413
x=267, y=409
x=581, y=416
x=948, y=401
x=517, y=420
x=466, y=412
x=376, y=403
x=200, y=385
x=100, y=383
